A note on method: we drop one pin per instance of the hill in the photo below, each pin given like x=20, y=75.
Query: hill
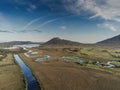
x=114, y=41
x=58, y=41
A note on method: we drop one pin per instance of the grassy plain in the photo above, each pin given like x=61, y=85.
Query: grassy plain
x=91, y=53
x=11, y=77
x=57, y=74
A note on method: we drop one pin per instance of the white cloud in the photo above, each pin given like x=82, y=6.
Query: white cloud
x=46, y=22
x=26, y=27
x=30, y=7
x=105, y=9
x=108, y=26
x=33, y=7
x=63, y=27
x=31, y=22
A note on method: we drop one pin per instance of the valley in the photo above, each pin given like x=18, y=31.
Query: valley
x=59, y=45
x=55, y=72
x=57, y=66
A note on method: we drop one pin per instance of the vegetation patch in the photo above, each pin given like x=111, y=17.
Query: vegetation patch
x=11, y=77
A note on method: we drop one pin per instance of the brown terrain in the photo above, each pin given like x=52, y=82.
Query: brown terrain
x=59, y=75
x=11, y=77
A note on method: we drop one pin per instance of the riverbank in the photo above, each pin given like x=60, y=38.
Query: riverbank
x=11, y=76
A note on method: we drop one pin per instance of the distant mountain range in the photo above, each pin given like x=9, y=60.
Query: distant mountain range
x=114, y=41
x=18, y=43
x=58, y=41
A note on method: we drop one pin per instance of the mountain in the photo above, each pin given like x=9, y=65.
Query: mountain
x=114, y=41
x=58, y=41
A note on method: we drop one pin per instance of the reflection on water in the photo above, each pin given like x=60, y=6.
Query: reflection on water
x=110, y=65
x=27, y=55
x=27, y=45
x=45, y=58
x=31, y=81
x=98, y=63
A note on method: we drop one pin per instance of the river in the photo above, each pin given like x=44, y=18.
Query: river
x=32, y=83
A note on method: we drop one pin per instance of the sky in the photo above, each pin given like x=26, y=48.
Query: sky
x=85, y=21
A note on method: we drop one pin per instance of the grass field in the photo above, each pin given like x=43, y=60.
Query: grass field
x=94, y=53
x=11, y=77
x=100, y=54
x=116, y=63
x=59, y=75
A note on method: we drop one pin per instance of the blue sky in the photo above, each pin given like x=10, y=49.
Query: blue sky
x=86, y=21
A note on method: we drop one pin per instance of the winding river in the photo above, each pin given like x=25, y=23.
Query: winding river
x=32, y=83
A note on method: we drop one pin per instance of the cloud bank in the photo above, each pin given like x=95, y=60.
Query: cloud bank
x=105, y=9
x=5, y=31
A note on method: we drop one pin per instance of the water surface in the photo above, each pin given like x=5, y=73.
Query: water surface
x=32, y=83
